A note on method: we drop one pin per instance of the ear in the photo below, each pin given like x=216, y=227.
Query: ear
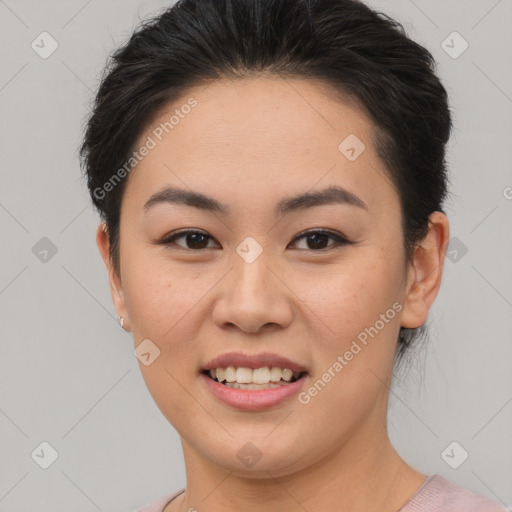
x=116, y=288
x=425, y=272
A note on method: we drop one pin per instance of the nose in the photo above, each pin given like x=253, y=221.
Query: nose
x=253, y=297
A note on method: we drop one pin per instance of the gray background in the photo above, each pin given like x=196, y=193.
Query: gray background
x=68, y=375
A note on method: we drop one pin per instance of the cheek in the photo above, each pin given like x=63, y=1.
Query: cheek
x=160, y=304
x=348, y=297
x=161, y=299
x=356, y=327
x=149, y=299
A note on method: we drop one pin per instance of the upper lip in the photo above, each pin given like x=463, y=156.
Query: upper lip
x=253, y=361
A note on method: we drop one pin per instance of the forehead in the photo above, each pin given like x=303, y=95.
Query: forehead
x=260, y=137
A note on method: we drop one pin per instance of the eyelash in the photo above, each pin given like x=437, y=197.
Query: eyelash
x=339, y=239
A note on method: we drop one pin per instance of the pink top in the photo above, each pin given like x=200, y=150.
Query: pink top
x=436, y=493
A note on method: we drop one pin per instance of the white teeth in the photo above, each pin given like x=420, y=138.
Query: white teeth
x=275, y=374
x=243, y=375
x=270, y=385
x=230, y=374
x=287, y=375
x=261, y=376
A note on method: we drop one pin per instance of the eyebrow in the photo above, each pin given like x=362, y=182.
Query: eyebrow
x=330, y=195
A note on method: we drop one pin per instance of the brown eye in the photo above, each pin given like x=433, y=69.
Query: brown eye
x=319, y=240
x=195, y=240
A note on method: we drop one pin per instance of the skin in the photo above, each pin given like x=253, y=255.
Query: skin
x=249, y=144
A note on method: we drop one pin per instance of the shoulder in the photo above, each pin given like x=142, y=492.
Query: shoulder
x=438, y=493
x=159, y=504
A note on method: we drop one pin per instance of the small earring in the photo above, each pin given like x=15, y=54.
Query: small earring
x=120, y=319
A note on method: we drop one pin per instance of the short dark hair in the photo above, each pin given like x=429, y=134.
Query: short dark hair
x=364, y=55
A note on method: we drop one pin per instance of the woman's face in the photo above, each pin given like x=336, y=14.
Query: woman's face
x=250, y=285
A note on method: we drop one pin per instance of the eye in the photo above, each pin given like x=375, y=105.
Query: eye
x=318, y=239
x=196, y=240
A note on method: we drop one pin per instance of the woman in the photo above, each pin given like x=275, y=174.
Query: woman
x=270, y=177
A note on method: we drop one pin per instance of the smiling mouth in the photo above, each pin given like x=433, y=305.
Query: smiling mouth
x=246, y=378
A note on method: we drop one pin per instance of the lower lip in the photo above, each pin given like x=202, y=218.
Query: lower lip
x=251, y=399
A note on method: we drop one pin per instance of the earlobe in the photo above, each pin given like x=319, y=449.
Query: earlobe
x=116, y=288
x=425, y=272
